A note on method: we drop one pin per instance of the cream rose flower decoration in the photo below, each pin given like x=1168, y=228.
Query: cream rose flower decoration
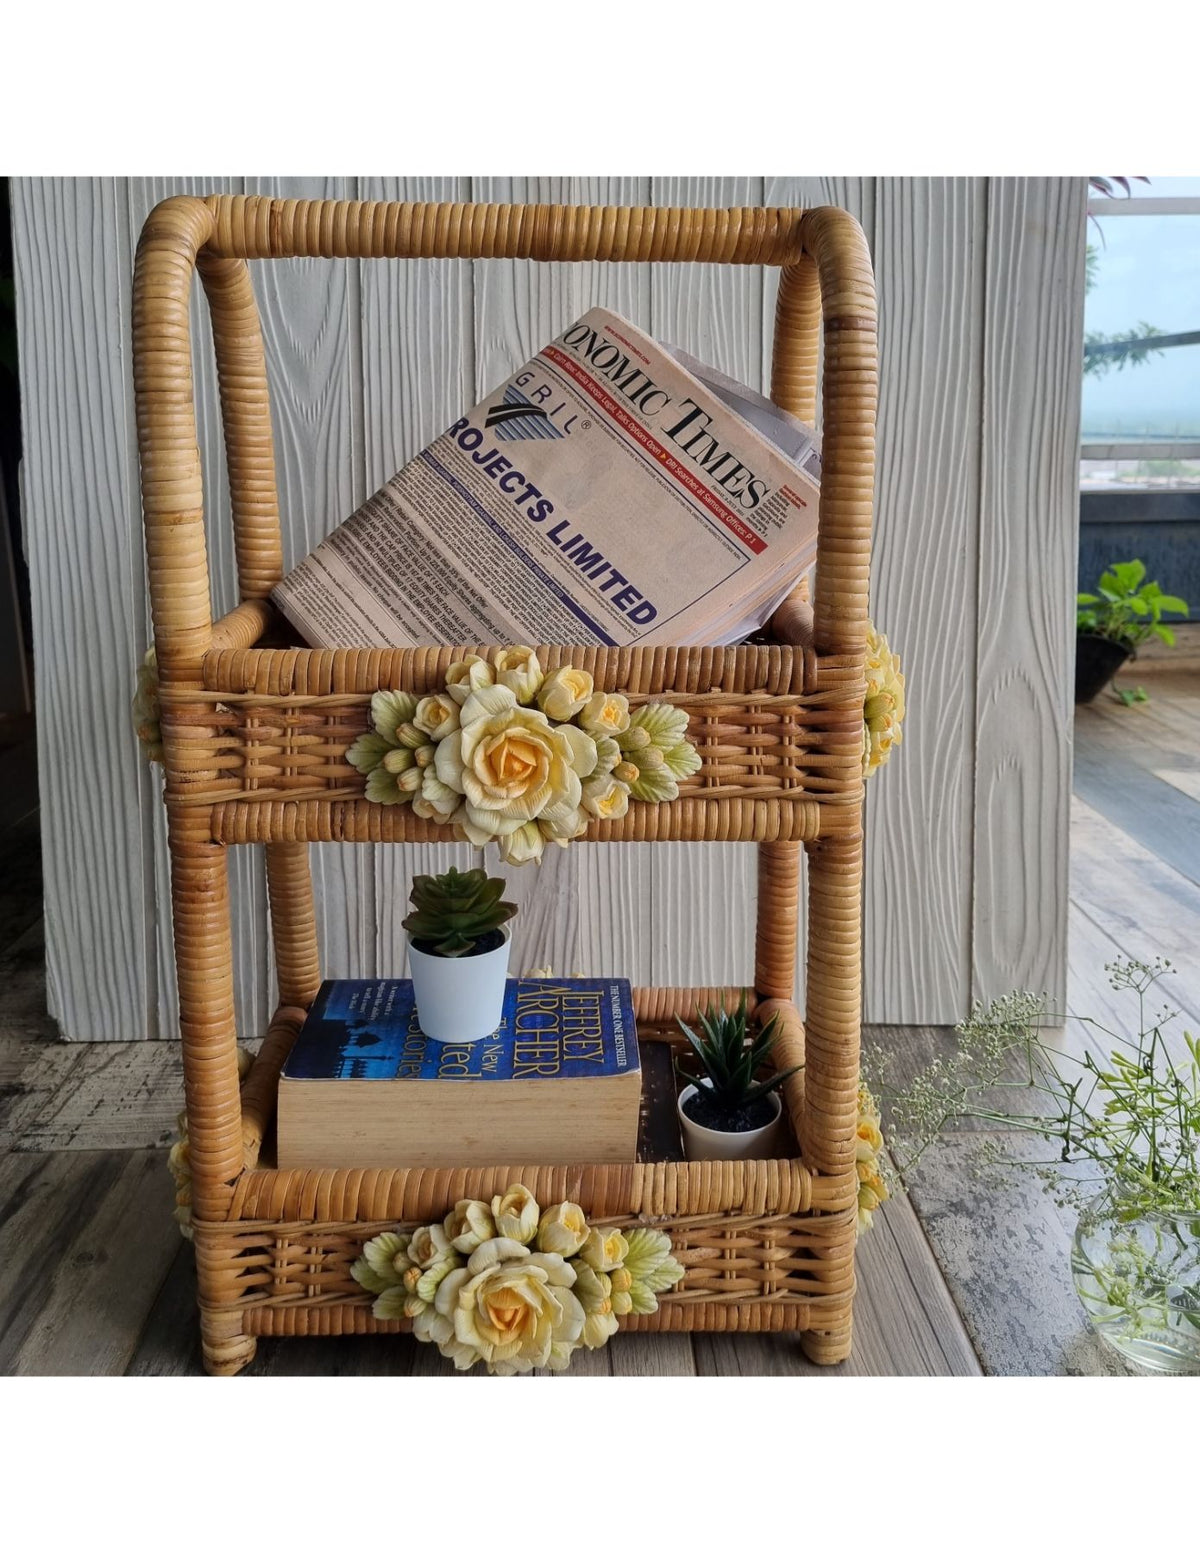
x=512, y=1307
x=468, y=675
x=483, y=759
x=516, y=1214
x=520, y=669
x=525, y=845
x=605, y=713
x=436, y=716
x=507, y=761
x=468, y=1224
x=604, y=1250
x=563, y=1229
x=883, y=709
x=565, y=693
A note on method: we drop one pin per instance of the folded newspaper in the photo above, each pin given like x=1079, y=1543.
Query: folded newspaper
x=613, y=491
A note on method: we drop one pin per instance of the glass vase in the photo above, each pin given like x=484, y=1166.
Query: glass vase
x=1137, y=1274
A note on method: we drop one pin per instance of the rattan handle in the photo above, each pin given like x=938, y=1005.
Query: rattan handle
x=826, y=276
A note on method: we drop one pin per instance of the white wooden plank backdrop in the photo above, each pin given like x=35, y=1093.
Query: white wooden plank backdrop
x=981, y=294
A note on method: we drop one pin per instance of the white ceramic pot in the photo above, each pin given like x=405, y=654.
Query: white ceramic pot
x=707, y=1143
x=459, y=1000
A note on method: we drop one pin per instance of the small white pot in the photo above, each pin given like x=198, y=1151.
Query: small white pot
x=708, y=1143
x=459, y=1000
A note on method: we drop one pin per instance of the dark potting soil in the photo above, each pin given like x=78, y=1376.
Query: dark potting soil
x=701, y=1109
x=483, y=945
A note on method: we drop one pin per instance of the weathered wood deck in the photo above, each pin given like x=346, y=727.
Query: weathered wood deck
x=954, y=1279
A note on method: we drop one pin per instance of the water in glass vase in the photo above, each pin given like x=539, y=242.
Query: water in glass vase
x=1137, y=1274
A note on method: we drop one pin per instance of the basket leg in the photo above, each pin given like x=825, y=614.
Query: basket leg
x=831, y=1346
x=204, y=958
x=225, y=1347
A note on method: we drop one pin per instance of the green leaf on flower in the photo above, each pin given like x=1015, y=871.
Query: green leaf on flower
x=390, y=1304
x=665, y=1276
x=390, y=708
x=383, y=788
x=362, y=1272
x=683, y=760
x=381, y=1254
x=642, y=1300
x=367, y=752
x=666, y=724
x=655, y=784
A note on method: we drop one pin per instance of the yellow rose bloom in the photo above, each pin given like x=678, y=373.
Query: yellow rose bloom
x=883, y=708
x=428, y=1245
x=510, y=1314
x=468, y=1224
x=509, y=764
x=516, y=1214
x=605, y=713
x=562, y=822
x=468, y=675
x=604, y=1250
x=525, y=845
x=436, y=715
x=563, y=1229
x=606, y=798
x=565, y=693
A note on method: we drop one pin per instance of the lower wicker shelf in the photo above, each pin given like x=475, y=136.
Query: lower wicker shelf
x=768, y=1244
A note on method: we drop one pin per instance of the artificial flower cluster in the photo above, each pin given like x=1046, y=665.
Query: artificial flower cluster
x=512, y=1287
x=872, y=1188
x=147, y=716
x=507, y=753
x=883, y=710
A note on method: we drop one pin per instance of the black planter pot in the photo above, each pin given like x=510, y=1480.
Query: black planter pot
x=1097, y=659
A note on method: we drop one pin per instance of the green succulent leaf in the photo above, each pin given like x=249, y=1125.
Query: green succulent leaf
x=453, y=911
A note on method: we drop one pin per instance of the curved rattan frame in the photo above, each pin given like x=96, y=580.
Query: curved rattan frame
x=769, y=1243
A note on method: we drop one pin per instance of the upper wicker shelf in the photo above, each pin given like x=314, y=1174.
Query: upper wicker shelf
x=264, y=740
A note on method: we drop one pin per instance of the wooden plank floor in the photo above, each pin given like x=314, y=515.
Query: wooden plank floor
x=1135, y=833
x=953, y=1279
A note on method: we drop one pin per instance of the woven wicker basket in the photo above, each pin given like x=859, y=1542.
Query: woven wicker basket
x=256, y=738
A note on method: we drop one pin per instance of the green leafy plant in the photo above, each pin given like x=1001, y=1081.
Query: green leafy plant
x=729, y=1058
x=1127, y=609
x=453, y=911
x=1132, y=1119
x=1132, y=697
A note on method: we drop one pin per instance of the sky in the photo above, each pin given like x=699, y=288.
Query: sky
x=1148, y=271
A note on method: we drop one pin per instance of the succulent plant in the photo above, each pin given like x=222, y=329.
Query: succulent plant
x=453, y=911
x=730, y=1060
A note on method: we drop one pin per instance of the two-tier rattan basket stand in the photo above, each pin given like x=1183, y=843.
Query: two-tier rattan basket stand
x=255, y=739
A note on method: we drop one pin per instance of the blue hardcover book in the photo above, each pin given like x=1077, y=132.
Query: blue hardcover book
x=363, y=1087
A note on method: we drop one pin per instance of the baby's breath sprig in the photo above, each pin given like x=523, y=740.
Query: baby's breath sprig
x=1131, y=1122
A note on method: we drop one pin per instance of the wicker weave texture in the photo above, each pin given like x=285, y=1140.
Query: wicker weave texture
x=256, y=735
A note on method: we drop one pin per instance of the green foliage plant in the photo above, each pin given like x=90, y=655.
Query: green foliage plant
x=1127, y=609
x=730, y=1058
x=453, y=911
x=1128, y=1124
